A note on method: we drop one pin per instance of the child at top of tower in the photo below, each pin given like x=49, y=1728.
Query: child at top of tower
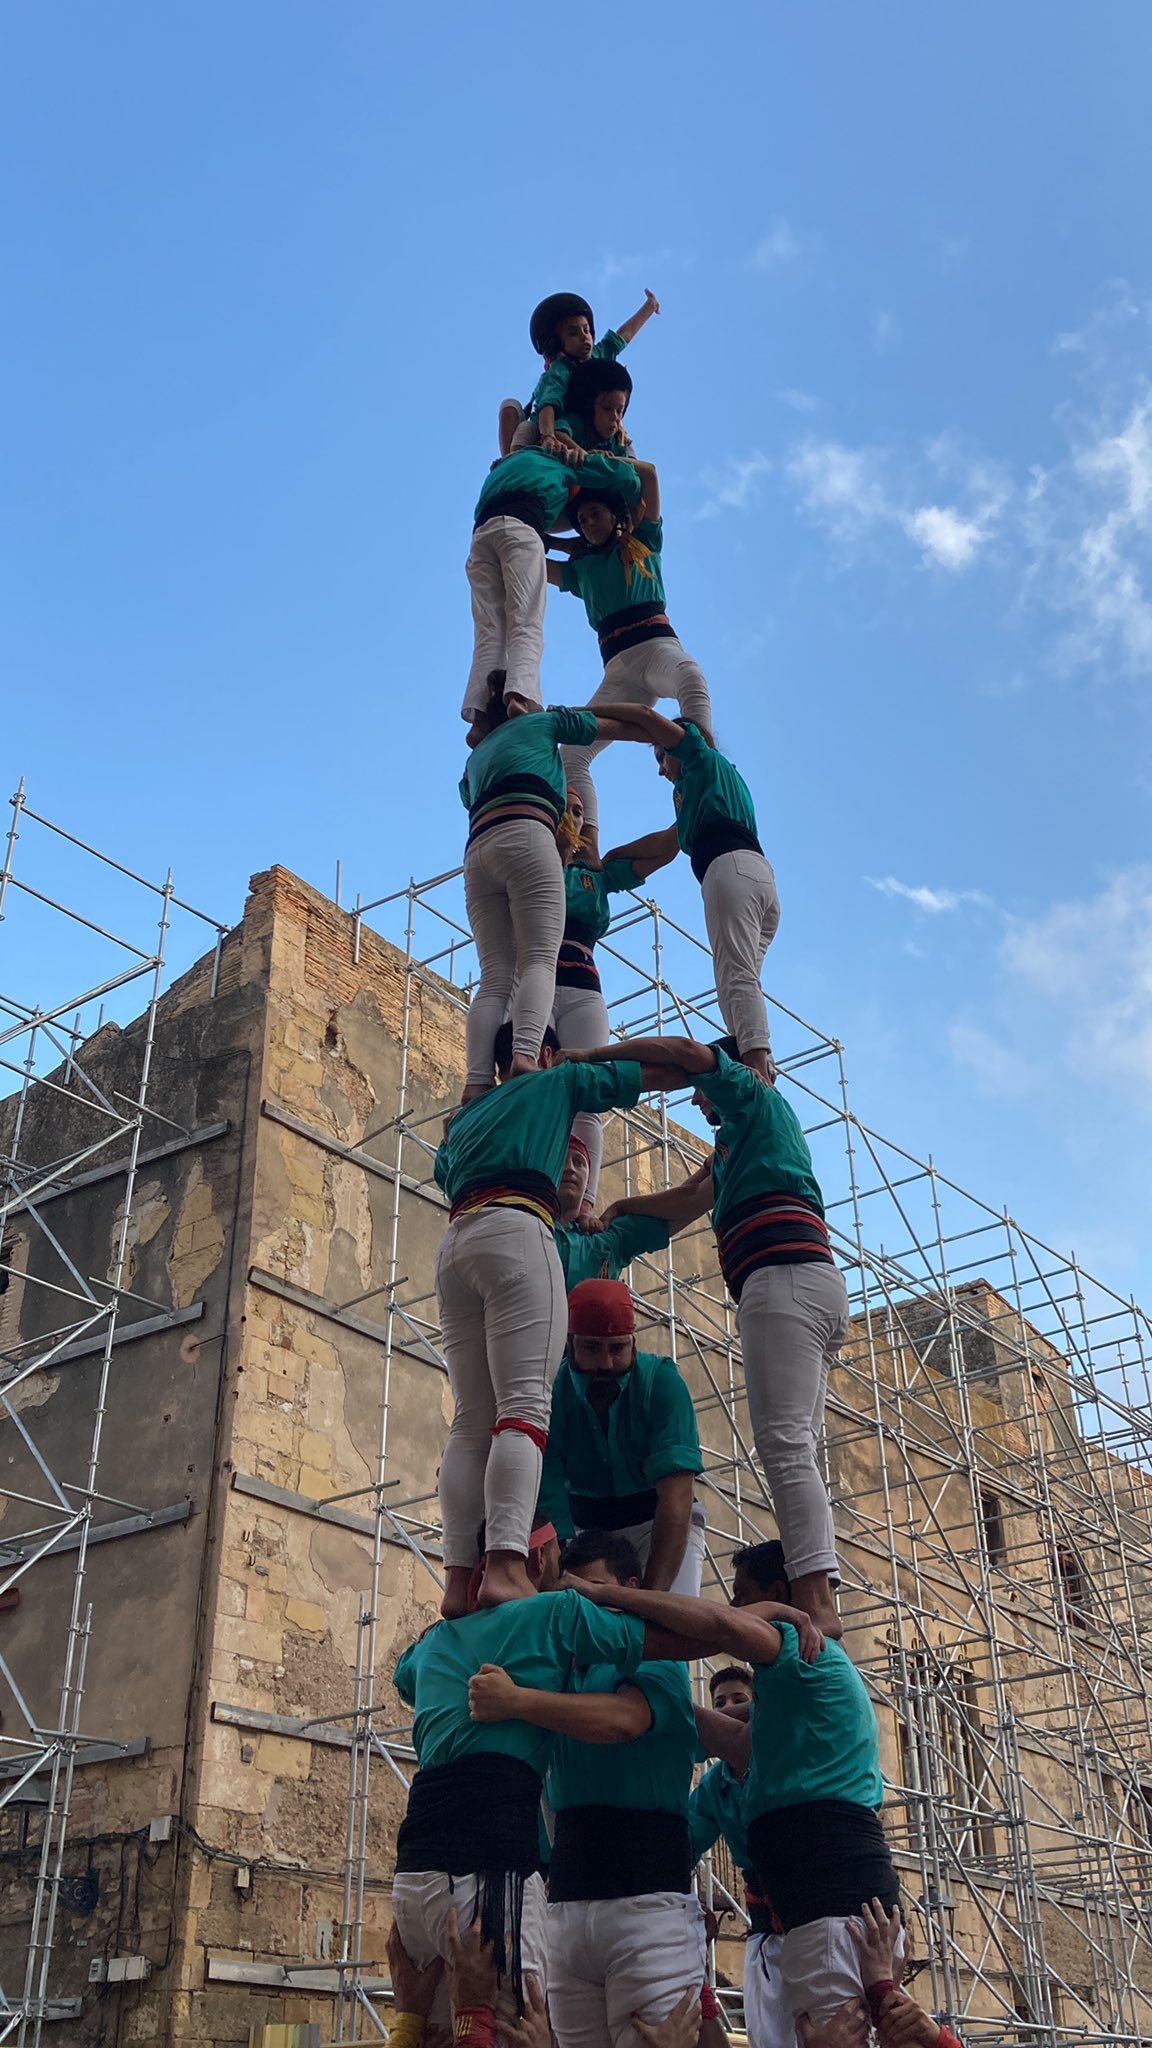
x=563, y=331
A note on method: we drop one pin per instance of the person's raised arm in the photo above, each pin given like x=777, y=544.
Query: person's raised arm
x=649, y=725
x=670, y=1527
x=674, y=1206
x=677, y=1626
x=603, y=1717
x=686, y=1054
x=649, y=488
x=721, y=1736
x=555, y=574
x=651, y=851
x=630, y=328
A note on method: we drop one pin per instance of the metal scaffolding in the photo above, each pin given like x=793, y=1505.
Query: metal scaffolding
x=989, y=1453
x=68, y=935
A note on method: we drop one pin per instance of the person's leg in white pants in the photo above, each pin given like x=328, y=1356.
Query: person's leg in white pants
x=580, y=1021
x=820, y=1967
x=610, y=1958
x=768, y=2020
x=507, y=571
x=504, y=1324
x=792, y=1322
x=514, y=891
x=641, y=675
x=421, y=1903
x=741, y=912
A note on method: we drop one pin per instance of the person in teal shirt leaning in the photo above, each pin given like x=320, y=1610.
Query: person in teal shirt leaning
x=503, y=1307
x=523, y=497
x=623, y=1446
x=617, y=568
x=791, y=1301
x=626, y=1932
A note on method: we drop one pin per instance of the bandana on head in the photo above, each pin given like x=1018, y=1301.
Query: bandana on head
x=601, y=1308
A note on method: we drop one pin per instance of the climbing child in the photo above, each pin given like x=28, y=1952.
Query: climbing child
x=523, y=498
x=563, y=331
x=617, y=568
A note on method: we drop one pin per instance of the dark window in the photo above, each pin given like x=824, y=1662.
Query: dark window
x=1071, y=1586
x=992, y=1523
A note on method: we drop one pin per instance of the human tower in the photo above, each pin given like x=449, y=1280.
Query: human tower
x=547, y=1853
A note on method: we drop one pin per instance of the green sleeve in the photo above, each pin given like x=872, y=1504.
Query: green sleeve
x=692, y=747
x=703, y=1818
x=618, y=875
x=611, y=1084
x=594, y=1635
x=651, y=532
x=733, y=1088
x=404, y=1676
x=610, y=345
x=465, y=793
x=630, y=1235
x=570, y=579
x=596, y=471
x=573, y=728
x=553, y=386
x=675, y=1442
x=440, y=1168
x=666, y=1693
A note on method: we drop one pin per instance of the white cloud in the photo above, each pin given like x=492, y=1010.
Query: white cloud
x=849, y=491
x=1090, y=962
x=734, y=487
x=931, y=900
x=779, y=246
x=1088, y=529
x=798, y=401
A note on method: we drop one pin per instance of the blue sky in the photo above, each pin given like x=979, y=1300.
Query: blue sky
x=269, y=272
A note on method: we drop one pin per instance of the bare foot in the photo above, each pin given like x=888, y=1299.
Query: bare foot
x=521, y=1064
x=458, y=1579
x=813, y=1592
x=505, y=1578
x=516, y=705
x=474, y=1089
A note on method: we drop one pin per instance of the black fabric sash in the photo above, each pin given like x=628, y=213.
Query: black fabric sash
x=818, y=1861
x=613, y=1852
x=620, y=1512
x=631, y=627
x=476, y=1814
x=519, y=505
x=517, y=1180
x=723, y=836
x=490, y=809
x=576, y=964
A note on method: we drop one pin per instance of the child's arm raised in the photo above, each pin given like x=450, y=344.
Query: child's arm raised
x=629, y=329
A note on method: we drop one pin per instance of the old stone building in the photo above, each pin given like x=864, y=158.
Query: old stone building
x=261, y=1538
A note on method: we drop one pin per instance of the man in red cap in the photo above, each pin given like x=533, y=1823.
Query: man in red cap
x=623, y=1446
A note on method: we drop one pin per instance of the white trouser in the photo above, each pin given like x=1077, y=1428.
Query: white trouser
x=580, y=1020
x=691, y=1573
x=421, y=1900
x=741, y=912
x=641, y=675
x=768, y=2020
x=792, y=1321
x=504, y=1324
x=514, y=890
x=507, y=569
x=610, y=1958
x=820, y=1967
x=527, y=434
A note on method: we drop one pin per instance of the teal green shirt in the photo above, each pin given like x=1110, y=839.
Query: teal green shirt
x=552, y=387
x=813, y=1732
x=608, y=583
x=717, y=1808
x=551, y=482
x=653, y=1774
x=760, y=1147
x=538, y=1642
x=586, y=893
x=651, y=1433
x=708, y=790
x=525, y=746
x=603, y=1254
x=525, y=1125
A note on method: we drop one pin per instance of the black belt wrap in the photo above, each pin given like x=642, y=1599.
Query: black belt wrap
x=517, y=1180
x=515, y=789
x=519, y=505
x=724, y=835
x=478, y=1816
x=612, y=1852
x=818, y=1861
x=576, y=963
x=621, y=1511
x=630, y=627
